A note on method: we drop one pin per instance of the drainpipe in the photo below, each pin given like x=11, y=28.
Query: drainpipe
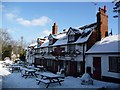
x=83, y=58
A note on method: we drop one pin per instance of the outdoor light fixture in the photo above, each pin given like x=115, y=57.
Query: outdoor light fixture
x=78, y=52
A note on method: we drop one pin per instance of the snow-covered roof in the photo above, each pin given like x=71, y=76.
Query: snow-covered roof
x=106, y=45
x=83, y=39
x=57, y=36
x=93, y=25
x=45, y=44
x=35, y=47
x=74, y=30
x=61, y=41
x=33, y=44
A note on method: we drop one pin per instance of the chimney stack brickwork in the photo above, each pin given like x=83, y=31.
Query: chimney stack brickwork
x=54, y=29
x=102, y=28
x=102, y=22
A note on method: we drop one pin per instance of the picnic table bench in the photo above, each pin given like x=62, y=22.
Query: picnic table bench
x=48, y=82
x=49, y=78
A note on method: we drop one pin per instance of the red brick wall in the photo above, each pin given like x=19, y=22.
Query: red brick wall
x=54, y=29
x=92, y=40
x=101, y=30
x=102, y=23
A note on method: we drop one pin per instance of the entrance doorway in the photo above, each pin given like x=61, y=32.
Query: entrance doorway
x=97, y=67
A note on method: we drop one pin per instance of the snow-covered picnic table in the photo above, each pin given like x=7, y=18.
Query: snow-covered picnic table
x=49, y=78
x=69, y=82
x=42, y=68
x=14, y=67
x=28, y=72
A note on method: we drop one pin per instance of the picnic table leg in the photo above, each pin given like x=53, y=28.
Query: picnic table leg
x=12, y=70
x=26, y=74
x=48, y=85
x=42, y=77
x=19, y=69
x=35, y=75
x=59, y=81
x=38, y=82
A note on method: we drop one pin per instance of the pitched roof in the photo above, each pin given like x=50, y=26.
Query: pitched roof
x=84, y=39
x=61, y=41
x=33, y=44
x=57, y=36
x=76, y=31
x=88, y=26
x=45, y=44
x=106, y=45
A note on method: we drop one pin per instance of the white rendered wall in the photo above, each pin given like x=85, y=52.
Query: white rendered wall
x=104, y=65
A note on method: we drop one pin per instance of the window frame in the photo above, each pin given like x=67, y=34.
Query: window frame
x=114, y=64
x=71, y=48
x=71, y=38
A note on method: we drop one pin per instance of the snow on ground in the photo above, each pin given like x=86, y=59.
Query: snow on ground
x=15, y=80
x=0, y=82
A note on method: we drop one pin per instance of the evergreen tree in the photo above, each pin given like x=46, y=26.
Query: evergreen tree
x=116, y=8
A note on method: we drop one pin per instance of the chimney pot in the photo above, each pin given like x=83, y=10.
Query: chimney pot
x=105, y=9
x=54, y=23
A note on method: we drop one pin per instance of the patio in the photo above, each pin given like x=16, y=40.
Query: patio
x=69, y=82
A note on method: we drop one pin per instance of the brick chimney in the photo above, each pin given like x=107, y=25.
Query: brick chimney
x=102, y=24
x=54, y=29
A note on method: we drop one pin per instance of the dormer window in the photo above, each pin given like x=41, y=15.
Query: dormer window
x=71, y=35
x=50, y=41
x=71, y=38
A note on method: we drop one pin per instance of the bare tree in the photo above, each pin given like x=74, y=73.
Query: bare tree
x=9, y=47
x=5, y=40
x=5, y=37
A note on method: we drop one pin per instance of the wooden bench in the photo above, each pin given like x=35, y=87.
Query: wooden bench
x=47, y=81
x=23, y=73
x=60, y=80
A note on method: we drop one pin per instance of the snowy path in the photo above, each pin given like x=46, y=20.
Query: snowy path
x=15, y=80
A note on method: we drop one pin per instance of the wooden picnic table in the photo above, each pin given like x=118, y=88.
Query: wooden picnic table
x=42, y=68
x=14, y=68
x=29, y=72
x=49, y=78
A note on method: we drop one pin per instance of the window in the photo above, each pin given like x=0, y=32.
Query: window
x=71, y=48
x=59, y=51
x=49, y=63
x=114, y=64
x=50, y=49
x=71, y=38
x=50, y=41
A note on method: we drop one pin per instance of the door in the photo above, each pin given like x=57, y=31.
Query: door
x=97, y=67
x=73, y=68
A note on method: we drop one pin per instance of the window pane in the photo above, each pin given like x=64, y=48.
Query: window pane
x=114, y=64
